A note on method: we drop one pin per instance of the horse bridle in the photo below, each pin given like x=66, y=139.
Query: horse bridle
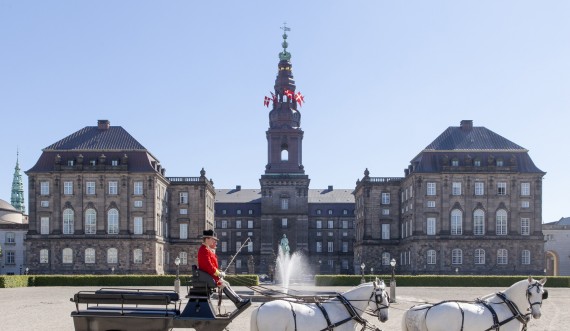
x=378, y=300
x=538, y=286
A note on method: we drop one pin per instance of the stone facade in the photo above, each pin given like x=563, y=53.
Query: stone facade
x=557, y=247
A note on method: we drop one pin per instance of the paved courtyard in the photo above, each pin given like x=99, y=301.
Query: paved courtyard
x=48, y=308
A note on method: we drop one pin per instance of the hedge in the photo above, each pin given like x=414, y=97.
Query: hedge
x=112, y=280
x=438, y=280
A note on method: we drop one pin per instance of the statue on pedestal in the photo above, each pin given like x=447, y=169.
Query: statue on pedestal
x=284, y=244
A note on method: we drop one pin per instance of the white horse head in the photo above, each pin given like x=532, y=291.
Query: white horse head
x=381, y=301
x=535, y=293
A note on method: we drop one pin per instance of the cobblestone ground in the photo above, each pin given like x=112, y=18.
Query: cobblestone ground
x=49, y=308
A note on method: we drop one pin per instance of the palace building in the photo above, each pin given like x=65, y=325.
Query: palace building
x=469, y=203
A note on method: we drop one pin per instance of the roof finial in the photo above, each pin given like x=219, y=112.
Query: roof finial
x=285, y=55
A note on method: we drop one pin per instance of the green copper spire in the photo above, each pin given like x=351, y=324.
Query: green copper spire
x=17, y=199
x=285, y=55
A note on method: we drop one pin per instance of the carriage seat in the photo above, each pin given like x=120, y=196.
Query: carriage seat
x=202, y=283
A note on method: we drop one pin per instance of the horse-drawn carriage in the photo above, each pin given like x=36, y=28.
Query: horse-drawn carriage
x=150, y=310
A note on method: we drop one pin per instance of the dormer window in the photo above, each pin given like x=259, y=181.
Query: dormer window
x=500, y=162
x=70, y=162
x=455, y=162
x=114, y=163
x=92, y=162
x=477, y=162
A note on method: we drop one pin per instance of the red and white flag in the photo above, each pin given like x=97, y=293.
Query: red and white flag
x=299, y=98
x=273, y=97
x=266, y=101
x=289, y=94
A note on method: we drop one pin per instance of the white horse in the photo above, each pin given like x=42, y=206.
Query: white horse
x=340, y=313
x=504, y=309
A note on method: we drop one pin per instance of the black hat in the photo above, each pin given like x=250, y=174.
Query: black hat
x=209, y=234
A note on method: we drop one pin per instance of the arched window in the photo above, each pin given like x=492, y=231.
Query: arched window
x=385, y=258
x=501, y=222
x=456, y=256
x=502, y=256
x=44, y=256
x=137, y=256
x=68, y=216
x=67, y=256
x=89, y=255
x=284, y=155
x=90, y=221
x=112, y=255
x=479, y=256
x=478, y=222
x=456, y=222
x=431, y=256
x=113, y=221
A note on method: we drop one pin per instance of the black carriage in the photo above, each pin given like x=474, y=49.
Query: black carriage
x=150, y=310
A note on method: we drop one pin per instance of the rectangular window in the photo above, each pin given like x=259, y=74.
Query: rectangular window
x=183, y=231
x=431, y=204
x=44, y=188
x=10, y=257
x=385, y=211
x=10, y=238
x=502, y=256
x=138, y=225
x=238, y=245
x=224, y=246
x=319, y=224
x=456, y=256
x=431, y=188
x=525, y=256
x=479, y=256
x=284, y=223
x=250, y=224
x=224, y=224
x=44, y=256
x=385, y=231
x=319, y=233
x=183, y=211
x=90, y=255
x=68, y=188
x=44, y=203
x=330, y=246
x=250, y=246
x=44, y=221
x=113, y=188
x=238, y=224
x=479, y=188
x=345, y=247
x=137, y=256
x=138, y=188
x=525, y=226
x=345, y=224
x=525, y=189
x=501, y=188
x=183, y=198
x=331, y=224
x=284, y=203
x=114, y=163
x=90, y=188
x=456, y=188
x=250, y=211
x=319, y=247
x=431, y=256
x=430, y=226
x=385, y=198
x=478, y=223
x=525, y=204
x=238, y=211
x=330, y=212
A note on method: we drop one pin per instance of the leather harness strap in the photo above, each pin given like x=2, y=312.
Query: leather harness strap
x=462, y=315
x=496, y=323
x=294, y=315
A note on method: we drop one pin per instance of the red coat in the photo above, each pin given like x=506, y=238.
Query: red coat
x=208, y=262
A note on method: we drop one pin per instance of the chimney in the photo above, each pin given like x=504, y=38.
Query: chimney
x=466, y=125
x=330, y=187
x=238, y=187
x=103, y=124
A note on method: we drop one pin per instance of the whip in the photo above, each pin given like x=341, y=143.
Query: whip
x=233, y=258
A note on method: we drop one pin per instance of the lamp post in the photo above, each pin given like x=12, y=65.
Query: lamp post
x=177, y=280
x=362, y=266
x=372, y=273
x=393, y=281
x=27, y=271
x=112, y=270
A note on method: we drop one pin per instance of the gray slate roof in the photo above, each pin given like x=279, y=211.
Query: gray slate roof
x=254, y=196
x=478, y=138
x=562, y=221
x=92, y=138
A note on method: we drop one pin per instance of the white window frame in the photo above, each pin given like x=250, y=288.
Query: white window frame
x=385, y=198
x=502, y=256
x=431, y=256
x=479, y=256
x=138, y=204
x=138, y=225
x=44, y=256
x=385, y=231
x=137, y=256
x=431, y=204
x=525, y=189
x=431, y=188
x=525, y=257
x=456, y=188
x=456, y=256
x=525, y=204
x=431, y=226
x=385, y=258
x=283, y=223
x=183, y=258
x=330, y=246
x=67, y=256
x=501, y=221
x=502, y=188
x=68, y=221
x=183, y=198
x=112, y=256
x=44, y=188
x=478, y=222
x=284, y=203
x=90, y=221
x=68, y=188
x=319, y=247
x=456, y=222
x=525, y=226
x=345, y=246
x=138, y=188
x=90, y=255
x=90, y=188
x=113, y=221
x=113, y=187
x=183, y=211
x=183, y=231
x=479, y=188
x=44, y=225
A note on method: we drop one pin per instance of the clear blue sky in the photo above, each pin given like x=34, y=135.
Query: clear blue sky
x=381, y=80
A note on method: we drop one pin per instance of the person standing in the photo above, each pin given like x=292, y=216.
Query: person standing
x=208, y=262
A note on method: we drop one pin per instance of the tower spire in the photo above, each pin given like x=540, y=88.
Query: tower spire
x=17, y=199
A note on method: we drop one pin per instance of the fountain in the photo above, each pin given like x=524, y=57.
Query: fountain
x=289, y=266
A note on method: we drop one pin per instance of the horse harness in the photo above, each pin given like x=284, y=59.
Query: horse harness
x=349, y=307
x=522, y=318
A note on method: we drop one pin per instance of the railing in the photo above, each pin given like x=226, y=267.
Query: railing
x=385, y=179
x=183, y=179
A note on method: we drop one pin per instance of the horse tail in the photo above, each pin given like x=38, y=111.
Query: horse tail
x=253, y=320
